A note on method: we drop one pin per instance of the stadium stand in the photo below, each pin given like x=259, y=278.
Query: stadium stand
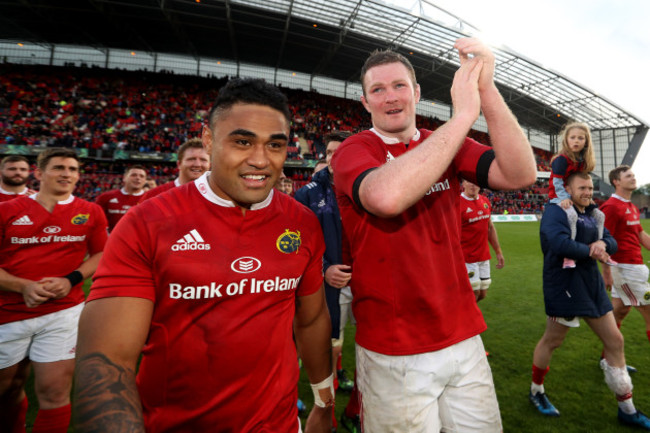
x=107, y=111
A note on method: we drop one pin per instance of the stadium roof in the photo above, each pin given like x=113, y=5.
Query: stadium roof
x=321, y=37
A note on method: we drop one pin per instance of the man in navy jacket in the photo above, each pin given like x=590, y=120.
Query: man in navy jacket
x=571, y=294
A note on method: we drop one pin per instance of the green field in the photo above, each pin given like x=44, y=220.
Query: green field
x=514, y=312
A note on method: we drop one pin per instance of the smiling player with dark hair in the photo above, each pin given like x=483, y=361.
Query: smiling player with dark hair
x=213, y=279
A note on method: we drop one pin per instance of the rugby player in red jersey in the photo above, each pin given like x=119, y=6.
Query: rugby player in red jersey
x=421, y=364
x=210, y=281
x=117, y=202
x=477, y=234
x=44, y=239
x=14, y=173
x=628, y=279
x=192, y=162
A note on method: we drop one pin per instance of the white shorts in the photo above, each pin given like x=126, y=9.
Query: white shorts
x=478, y=271
x=569, y=322
x=631, y=284
x=48, y=338
x=449, y=390
x=345, y=302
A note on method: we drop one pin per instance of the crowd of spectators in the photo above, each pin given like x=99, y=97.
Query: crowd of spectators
x=109, y=110
x=526, y=201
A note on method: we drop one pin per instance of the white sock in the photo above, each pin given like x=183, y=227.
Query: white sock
x=535, y=388
x=627, y=406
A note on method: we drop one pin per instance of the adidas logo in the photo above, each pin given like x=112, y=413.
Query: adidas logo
x=627, y=211
x=190, y=242
x=114, y=200
x=469, y=210
x=23, y=221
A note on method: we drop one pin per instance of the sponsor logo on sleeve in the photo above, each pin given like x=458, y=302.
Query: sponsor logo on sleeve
x=288, y=242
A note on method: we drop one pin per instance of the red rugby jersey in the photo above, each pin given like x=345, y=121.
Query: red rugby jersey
x=116, y=203
x=622, y=221
x=35, y=243
x=475, y=219
x=410, y=285
x=6, y=195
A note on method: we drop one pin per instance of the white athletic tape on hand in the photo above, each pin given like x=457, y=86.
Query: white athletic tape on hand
x=327, y=383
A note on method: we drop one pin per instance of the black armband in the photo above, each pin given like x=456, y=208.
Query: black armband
x=75, y=277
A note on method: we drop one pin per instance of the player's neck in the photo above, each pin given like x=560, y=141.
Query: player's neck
x=49, y=200
x=627, y=195
x=182, y=180
x=132, y=191
x=404, y=136
x=16, y=189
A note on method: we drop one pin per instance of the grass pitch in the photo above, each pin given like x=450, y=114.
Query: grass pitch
x=514, y=312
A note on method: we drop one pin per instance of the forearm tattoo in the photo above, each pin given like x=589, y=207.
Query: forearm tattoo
x=105, y=397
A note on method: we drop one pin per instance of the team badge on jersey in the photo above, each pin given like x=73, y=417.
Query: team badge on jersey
x=82, y=218
x=288, y=242
x=485, y=205
x=646, y=296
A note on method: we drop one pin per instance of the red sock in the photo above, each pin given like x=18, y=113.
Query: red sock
x=648, y=334
x=339, y=367
x=353, y=408
x=538, y=374
x=53, y=420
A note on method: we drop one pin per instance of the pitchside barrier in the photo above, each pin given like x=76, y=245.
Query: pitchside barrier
x=514, y=218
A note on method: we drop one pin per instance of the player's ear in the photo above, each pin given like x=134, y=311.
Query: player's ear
x=206, y=138
x=365, y=103
x=37, y=174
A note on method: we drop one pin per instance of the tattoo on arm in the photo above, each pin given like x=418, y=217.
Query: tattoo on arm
x=105, y=397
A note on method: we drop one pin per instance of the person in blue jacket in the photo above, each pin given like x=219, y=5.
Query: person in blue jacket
x=319, y=195
x=574, y=293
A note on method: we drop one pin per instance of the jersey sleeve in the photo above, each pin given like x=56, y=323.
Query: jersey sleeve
x=473, y=161
x=611, y=217
x=101, y=201
x=559, y=166
x=301, y=196
x=312, y=278
x=99, y=232
x=125, y=268
x=353, y=158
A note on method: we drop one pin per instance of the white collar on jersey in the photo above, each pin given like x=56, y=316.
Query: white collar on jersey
x=620, y=198
x=123, y=191
x=66, y=201
x=177, y=182
x=393, y=140
x=203, y=186
x=468, y=198
x=3, y=191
